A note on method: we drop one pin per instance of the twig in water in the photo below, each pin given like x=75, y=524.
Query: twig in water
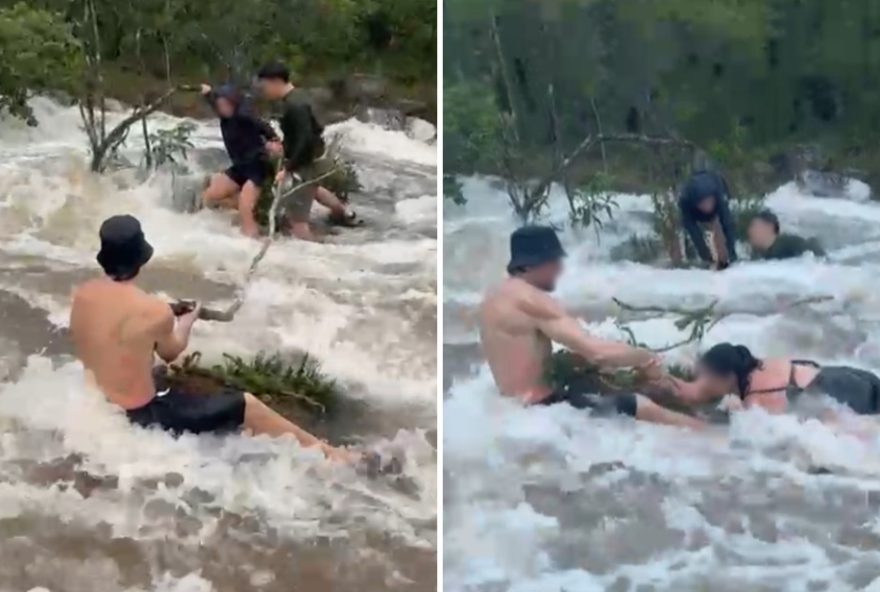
x=226, y=316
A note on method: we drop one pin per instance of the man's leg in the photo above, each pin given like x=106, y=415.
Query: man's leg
x=298, y=209
x=221, y=188
x=259, y=419
x=247, y=203
x=648, y=410
x=329, y=200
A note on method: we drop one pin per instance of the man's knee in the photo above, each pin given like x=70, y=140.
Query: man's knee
x=215, y=190
x=301, y=230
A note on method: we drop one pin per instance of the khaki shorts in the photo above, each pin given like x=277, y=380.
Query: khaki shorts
x=298, y=204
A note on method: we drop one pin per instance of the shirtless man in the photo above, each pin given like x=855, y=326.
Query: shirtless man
x=116, y=329
x=519, y=320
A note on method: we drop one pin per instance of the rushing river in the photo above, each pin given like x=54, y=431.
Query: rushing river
x=545, y=500
x=89, y=503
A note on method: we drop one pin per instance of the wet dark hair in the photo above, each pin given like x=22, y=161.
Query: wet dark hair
x=274, y=71
x=725, y=358
x=768, y=217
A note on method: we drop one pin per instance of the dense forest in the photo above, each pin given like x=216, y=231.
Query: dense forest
x=635, y=93
x=146, y=46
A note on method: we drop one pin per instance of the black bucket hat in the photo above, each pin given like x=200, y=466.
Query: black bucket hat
x=531, y=246
x=124, y=249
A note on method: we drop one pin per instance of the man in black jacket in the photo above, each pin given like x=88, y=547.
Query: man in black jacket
x=705, y=210
x=768, y=243
x=248, y=141
x=305, y=157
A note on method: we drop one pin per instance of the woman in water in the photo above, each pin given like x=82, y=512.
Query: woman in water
x=777, y=384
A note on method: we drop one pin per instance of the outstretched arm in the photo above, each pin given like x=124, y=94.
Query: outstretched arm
x=728, y=226
x=694, y=233
x=172, y=337
x=554, y=322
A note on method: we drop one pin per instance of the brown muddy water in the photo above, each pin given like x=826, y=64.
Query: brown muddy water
x=89, y=503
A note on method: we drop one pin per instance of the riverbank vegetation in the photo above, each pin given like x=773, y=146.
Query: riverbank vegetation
x=632, y=95
x=153, y=54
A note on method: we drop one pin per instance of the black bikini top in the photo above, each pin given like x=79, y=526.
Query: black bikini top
x=792, y=389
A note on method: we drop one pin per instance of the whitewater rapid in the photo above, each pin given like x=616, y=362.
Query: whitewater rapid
x=543, y=499
x=95, y=504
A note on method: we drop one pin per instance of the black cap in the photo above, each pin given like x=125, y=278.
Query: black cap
x=124, y=249
x=531, y=246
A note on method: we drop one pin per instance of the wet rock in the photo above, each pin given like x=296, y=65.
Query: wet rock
x=822, y=184
x=361, y=88
x=389, y=119
x=210, y=159
x=421, y=130
x=186, y=191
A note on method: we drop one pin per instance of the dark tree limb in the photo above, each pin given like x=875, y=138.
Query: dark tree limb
x=700, y=320
x=535, y=196
x=117, y=135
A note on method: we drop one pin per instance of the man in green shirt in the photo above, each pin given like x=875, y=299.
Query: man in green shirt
x=767, y=242
x=305, y=157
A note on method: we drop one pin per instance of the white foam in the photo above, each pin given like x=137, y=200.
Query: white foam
x=694, y=511
x=345, y=301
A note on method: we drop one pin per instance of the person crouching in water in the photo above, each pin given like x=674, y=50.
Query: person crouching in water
x=778, y=384
x=767, y=242
x=705, y=210
x=305, y=154
x=249, y=141
x=520, y=321
x=117, y=330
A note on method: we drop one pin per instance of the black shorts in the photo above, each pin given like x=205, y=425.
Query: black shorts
x=255, y=172
x=597, y=405
x=856, y=388
x=180, y=412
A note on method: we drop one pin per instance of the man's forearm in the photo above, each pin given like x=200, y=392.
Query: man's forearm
x=697, y=239
x=618, y=355
x=182, y=332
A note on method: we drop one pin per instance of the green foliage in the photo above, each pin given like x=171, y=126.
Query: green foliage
x=453, y=190
x=38, y=52
x=742, y=79
x=171, y=145
x=593, y=204
x=272, y=378
x=638, y=248
x=472, y=127
x=194, y=41
x=343, y=182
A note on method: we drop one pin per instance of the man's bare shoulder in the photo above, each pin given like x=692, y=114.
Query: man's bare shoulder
x=534, y=302
x=516, y=296
x=136, y=301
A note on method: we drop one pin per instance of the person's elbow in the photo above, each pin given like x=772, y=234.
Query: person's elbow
x=168, y=356
x=171, y=352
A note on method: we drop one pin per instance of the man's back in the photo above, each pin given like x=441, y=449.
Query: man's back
x=114, y=327
x=303, y=134
x=787, y=246
x=515, y=349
